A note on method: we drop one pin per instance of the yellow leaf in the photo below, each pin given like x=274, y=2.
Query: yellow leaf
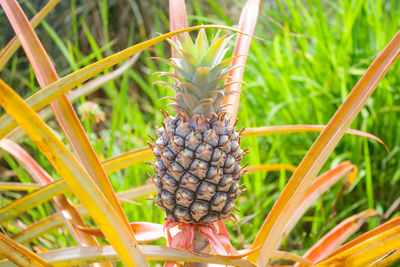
x=368, y=252
x=14, y=44
x=87, y=255
x=19, y=254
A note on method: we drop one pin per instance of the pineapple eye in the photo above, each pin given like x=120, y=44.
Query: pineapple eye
x=184, y=197
x=189, y=181
x=218, y=201
x=206, y=190
x=199, y=209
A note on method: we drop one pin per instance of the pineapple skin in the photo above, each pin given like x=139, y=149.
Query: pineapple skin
x=197, y=168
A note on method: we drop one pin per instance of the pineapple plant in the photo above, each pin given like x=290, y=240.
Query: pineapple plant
x=378, y=247
x=198, y=152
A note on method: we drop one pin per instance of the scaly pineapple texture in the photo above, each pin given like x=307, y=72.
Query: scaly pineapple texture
x=198, y=151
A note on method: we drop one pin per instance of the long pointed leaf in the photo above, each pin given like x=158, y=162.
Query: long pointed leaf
x=19, y=254
x=127, y=159
x=82, y=256
x=14, y=44
x=270, y=233
x=144, y=231
x=33, y=199
x=378, y=230
x=59, y=187
x=15, y=186
x=247, y=24
x=54, y=221
x=317, y=188
x=335, y=237
x=367, y=252
x=177, y=19
x=67, y=210
x=75, y=176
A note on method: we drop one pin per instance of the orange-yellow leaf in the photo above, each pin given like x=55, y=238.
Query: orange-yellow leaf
x=33, y=199
x=247, y=24
x=67, y=210
x=127, y=159
x=277, y=254
x=317, y=188
x=78, y=256
x=374, y=232
x=15, y=186
x=14, y=44
x=337, y=236
x=369, y=252
x=19, y=254
x=144, y=231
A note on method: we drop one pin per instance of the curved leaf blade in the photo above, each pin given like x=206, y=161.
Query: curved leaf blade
x=335, y=237
x=54, y=221
x=87, y=255
x=15, y=186
x=369, y=251
x=144, y=231
x=317, y=188
x=33, y=199
x=12, y=46
x=19, y=254
x=127, y=159
x=374, y=232
x=247, y=24
x=65, y=207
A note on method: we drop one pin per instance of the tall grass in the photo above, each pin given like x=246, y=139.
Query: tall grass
x=311, y=55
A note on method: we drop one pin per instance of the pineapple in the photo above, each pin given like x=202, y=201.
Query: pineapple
x=198, y=151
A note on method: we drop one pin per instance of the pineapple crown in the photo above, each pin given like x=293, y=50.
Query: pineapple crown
x=200, y=72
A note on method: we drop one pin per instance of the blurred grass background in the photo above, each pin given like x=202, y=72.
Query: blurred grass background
x=311, y=56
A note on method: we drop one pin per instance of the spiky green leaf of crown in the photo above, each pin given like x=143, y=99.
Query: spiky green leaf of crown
x=201, y=72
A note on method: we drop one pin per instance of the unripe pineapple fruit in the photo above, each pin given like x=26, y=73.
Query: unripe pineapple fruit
x=198, y=151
